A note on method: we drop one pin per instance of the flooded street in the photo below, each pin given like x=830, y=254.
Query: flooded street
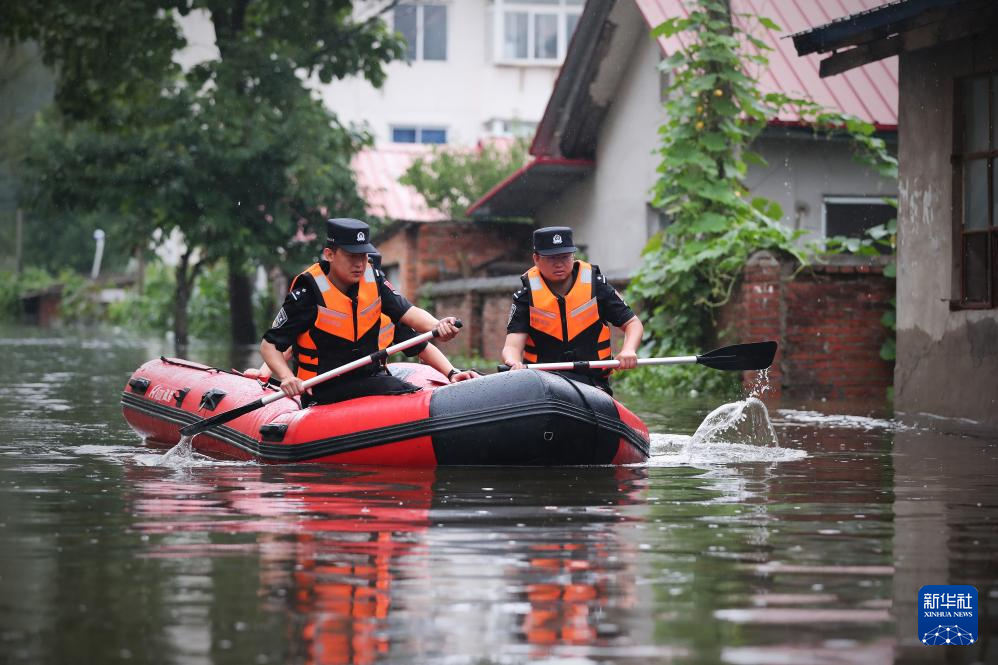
x=720, y=552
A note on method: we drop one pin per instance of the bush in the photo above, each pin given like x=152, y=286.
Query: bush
x=151, y=310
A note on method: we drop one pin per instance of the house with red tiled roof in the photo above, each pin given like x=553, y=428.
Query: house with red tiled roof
x=595, y=147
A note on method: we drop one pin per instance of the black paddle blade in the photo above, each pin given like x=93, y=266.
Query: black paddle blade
x=758, y=355
x=202, y=425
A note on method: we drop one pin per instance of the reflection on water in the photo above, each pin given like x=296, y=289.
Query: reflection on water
x=713, y=552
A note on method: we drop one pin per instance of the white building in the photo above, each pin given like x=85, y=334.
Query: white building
x=595, y=146
x=475, y=68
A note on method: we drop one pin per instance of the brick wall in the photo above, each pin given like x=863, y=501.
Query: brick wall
x=826, y=319
x=436, y=251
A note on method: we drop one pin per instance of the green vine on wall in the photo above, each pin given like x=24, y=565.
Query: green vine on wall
x=715, y=110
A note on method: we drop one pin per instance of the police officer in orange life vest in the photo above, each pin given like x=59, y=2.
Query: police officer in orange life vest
x=332, y=315
x=562, y=311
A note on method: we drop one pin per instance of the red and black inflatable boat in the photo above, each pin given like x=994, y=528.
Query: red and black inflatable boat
x=525, y=418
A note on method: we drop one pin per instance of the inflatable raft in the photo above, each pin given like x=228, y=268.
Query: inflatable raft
x=526, y=418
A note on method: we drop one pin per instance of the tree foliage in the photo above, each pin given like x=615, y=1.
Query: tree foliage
x=715, y=110
x=451, y=179
x=237, y=153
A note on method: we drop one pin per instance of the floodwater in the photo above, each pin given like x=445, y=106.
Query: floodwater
x=722, y=549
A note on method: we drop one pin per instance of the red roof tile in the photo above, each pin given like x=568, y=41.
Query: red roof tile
x=378, y=170
x=869, y=92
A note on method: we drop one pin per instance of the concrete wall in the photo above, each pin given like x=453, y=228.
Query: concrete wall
x=609, y=209
x=461, y=93
x=947, y=361
x=801, y=171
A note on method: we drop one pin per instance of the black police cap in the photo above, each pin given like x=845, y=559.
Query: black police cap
x=351, y=235
x=553, y=240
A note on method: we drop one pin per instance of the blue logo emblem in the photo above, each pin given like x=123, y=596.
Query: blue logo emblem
x=947, y=614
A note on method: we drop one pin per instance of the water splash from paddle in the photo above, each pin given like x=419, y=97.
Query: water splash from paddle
x=180, y=455
x=760, y=385
x=734, y=433
x=744, y=422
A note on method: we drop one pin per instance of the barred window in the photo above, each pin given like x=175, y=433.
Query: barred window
x=975, y=220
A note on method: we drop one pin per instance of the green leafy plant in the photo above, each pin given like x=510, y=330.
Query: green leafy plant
x=715, y=110
x=13, y=286
x=451, y=179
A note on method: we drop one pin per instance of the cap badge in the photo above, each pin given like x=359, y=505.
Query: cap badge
x=360, y=236
x=556, y=239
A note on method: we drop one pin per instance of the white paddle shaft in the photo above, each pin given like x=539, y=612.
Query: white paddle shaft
x=608, y=364
x=360, y=362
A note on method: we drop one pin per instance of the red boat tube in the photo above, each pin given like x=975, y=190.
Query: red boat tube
x=524, y=418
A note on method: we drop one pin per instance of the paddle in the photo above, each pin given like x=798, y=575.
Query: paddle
x=757, y=355
x=200, y=426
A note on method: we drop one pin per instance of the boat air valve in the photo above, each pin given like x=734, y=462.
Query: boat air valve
x=549, y=436
x=211, y=398
x=139, y=385
x=180, y=394
x=273, y=432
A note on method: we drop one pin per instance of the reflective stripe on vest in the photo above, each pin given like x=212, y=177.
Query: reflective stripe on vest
x=581, y=310
x=581, y=314
x=334, y=316
x=387, y=332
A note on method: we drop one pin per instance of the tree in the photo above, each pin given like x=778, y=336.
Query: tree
x=236, y=153
x=452, y=179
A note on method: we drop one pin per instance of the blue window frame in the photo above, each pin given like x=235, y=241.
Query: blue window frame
x=409, y=134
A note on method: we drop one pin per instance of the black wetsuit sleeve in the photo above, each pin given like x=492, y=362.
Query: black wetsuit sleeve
x=519, y=313
x=393, y=303
x=612, y=307
x=295, y=316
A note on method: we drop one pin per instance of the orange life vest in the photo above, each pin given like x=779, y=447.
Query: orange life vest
x=386, y=332
x=566, y=328
x=340, y=333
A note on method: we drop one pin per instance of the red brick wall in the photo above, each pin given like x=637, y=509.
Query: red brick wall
x=435, y=251
x=484, y=314
x=398, y=248
x=826, y=319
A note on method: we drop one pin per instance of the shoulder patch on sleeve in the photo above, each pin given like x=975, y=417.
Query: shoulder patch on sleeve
x=512, y=313
x=280, y=319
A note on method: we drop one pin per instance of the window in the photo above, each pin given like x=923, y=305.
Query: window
x=403, y=134
x=513, y=128
x=975, y=218
x=535, y=30
x=424, y=28
x=851, y=216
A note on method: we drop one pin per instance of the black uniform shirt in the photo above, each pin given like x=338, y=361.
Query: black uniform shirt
x=612, y=307
x=299, y=309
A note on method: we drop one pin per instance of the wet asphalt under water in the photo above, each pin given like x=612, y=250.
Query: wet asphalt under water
x=719, y=553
